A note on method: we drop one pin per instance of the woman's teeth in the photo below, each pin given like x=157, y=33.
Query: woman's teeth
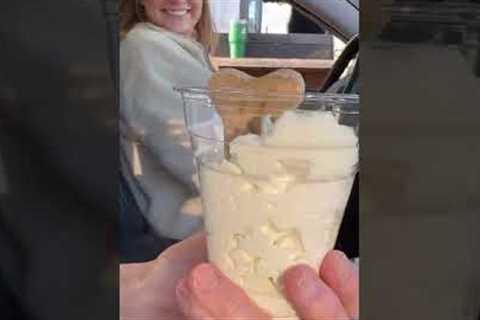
x=177, y=12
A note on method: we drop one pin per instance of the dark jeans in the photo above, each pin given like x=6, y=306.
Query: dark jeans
x=138, y=241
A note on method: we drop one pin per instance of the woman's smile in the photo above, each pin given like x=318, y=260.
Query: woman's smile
x=177, y=12
x=180, y=16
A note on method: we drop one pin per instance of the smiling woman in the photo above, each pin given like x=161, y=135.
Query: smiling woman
x=164, y=44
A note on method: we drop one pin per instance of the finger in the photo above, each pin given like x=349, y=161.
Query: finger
x=192, y=250
x=219, y=296
x=190, y=308
x=342, y=276
x=310, y=296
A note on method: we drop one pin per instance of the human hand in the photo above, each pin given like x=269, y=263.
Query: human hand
x=332, y=293
x=147, y=290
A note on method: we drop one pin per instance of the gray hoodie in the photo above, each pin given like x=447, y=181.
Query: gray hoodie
x=156, y=156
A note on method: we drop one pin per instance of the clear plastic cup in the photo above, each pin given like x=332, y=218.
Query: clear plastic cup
x=277, y=199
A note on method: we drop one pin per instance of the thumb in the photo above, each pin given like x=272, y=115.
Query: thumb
x=208, y=291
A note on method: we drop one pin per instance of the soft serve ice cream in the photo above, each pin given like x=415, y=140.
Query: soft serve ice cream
x=278, y=201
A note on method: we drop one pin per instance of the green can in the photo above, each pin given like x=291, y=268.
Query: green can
x=237, y=38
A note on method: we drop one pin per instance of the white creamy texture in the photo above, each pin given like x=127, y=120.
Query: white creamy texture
x=279, y=201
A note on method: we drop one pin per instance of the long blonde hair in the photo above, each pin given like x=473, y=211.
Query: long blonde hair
x=132, y=12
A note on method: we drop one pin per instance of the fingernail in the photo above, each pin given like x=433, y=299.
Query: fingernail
x=305, y=278
x=343, y=266
x=205, y=277
x=341, y=255
x=306, y=281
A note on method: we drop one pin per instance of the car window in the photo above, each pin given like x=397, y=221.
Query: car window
x=275, y=24
x=295, y=34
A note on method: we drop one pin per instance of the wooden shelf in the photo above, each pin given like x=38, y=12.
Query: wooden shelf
x=272, y=63
x=282, y=46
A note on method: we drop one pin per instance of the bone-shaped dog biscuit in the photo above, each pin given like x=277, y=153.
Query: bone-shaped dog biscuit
x=241, y=100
